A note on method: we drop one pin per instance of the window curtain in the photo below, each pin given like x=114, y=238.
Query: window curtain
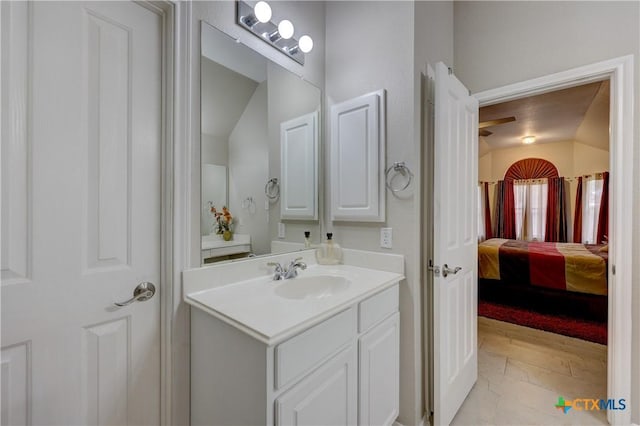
x=487, y=213
x=505, y=226
x=603, y=214
x=530, y=209
x=520, y=198
x=591, y=198
x=484, y=212
x=481, y=231
x=556, y=226
x=577, y=217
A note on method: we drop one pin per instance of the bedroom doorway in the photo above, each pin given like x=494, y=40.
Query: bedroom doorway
x=616, y=72
x=542, y=266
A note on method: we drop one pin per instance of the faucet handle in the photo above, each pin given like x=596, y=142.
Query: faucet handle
x=278, y=271
x=275, y=264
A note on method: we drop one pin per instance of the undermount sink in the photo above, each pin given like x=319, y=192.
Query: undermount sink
x=315, y=287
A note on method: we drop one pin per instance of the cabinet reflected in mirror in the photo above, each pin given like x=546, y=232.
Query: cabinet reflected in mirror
x=252, y=108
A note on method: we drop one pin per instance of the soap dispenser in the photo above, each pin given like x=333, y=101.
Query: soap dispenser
x=329, y=252
x=307, y=239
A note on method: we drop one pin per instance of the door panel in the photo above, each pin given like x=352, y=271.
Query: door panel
x=86, y=142
x=379, y=373
x=455, y=244
x=327, y=397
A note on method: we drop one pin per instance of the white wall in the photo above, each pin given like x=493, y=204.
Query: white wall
x=249, y=168
x=353, y=68
x=362, y=58
x=214, y=150
x=498, y=43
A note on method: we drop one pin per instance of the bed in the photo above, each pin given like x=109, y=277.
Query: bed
x=566, y=278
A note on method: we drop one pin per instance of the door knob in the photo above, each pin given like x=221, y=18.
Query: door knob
x=446, y=270
x=143, y=291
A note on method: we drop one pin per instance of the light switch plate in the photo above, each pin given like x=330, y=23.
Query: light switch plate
x=386, y=238
x=281, y=230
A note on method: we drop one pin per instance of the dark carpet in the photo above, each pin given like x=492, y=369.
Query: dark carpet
x=591, y=331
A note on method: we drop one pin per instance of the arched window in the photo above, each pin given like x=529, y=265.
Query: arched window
x=531, y=197
x=531, y=168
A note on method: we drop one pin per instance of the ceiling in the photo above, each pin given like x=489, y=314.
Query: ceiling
x=579, y=113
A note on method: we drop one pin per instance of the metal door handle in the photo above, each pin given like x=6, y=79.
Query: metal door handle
x=446, y=270
x=143, y=291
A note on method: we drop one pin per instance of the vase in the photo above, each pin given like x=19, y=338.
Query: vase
x=227, y=235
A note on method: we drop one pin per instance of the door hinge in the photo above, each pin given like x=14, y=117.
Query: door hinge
x=435, y=269
x=613, y=269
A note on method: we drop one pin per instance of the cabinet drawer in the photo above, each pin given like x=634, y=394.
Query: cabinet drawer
x=308, y=349
x=377, y=307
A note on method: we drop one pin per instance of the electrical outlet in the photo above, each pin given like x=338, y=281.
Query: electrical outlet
x=386, y=238
x=281, y=230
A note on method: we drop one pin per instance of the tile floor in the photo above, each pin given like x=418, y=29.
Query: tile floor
x=522, y=371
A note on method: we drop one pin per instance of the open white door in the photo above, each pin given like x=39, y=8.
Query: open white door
x=455, y=352
x=81, y=201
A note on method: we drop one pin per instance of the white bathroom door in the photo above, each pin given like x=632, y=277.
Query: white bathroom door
x=81, y=166
x=455, y=312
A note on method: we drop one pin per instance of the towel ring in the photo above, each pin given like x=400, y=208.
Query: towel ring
x=272, y=189
x=398, y=167
x=249, y=204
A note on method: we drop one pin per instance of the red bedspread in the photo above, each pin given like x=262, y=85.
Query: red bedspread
x=563, y=266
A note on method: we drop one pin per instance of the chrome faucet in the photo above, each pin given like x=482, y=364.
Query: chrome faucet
x=282, y=273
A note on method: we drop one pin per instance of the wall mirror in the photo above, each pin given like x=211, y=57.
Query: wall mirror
x=260, y=153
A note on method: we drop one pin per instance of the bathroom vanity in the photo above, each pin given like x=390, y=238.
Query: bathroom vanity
x=321, y=348
x=214, y=247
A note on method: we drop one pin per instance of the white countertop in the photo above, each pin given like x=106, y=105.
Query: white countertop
x=254, y=307
x=214, y=241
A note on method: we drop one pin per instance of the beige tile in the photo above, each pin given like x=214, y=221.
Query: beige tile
x=510, y=413
x=580, y=418
x=569, y=351
x=589, y=369
x=567, y=386
x=479, y=407
x=551, y=361
x=491, y=363
x=522, y=371
x=526, y=394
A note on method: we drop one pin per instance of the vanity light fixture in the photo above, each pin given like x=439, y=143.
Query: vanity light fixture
x=528, y=140
x=257, y=20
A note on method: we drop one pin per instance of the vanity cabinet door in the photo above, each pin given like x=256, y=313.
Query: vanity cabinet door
x=326, y=397
x=379, y=352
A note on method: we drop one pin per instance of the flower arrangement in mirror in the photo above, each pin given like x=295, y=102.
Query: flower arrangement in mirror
x=223, y=224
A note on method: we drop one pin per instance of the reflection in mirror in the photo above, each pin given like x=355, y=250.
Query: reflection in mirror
x=251, y=108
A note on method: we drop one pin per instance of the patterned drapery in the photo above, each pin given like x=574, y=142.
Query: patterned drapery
x=603, y=215
x=556, y=226
x=577, y=219
x=487, y=213
x=505, y=226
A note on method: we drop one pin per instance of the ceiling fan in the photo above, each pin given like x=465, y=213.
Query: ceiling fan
x=489, y=123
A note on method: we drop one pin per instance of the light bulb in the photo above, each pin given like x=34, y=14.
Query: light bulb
x=262, y=10
x=285, y=28
x=305, y=43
